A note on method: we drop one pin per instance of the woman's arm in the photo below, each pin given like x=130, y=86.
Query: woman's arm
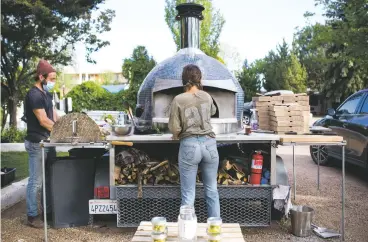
x=174, y=120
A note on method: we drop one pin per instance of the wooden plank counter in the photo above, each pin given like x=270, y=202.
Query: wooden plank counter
x=231, y=232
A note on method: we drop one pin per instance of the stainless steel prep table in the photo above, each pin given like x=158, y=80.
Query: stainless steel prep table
x=319, y=140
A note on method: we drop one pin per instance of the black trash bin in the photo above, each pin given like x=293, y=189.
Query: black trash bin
x=71, y=187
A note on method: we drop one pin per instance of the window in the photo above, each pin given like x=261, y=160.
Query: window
x=365, y=106
x=350, y=105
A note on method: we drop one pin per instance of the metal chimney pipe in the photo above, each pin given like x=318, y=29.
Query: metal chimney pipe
x=189, y=15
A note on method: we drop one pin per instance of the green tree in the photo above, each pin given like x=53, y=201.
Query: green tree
x=249, y=78
x=310, y=45
x=283, y=71
x=45, y=29
x=335, y=54
x=135, y=69
x=347, y=54
x=210, y=27
x=349, y=21
x=275, y=68
x=296, y=76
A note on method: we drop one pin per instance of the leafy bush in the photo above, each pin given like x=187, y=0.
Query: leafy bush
x=13, y=135
x=91, y=96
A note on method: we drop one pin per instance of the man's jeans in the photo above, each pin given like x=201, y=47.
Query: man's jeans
x=202, y=151
x=35, y=176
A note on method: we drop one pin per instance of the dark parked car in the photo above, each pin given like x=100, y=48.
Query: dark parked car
x=350, y=120
x=247, y=113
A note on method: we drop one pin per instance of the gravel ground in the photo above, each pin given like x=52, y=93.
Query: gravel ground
x=326, y=203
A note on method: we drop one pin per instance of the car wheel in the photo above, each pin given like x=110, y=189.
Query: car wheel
x=246, y=120
x=324, y=159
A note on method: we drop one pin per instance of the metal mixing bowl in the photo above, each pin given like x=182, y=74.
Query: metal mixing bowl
x=125, y=129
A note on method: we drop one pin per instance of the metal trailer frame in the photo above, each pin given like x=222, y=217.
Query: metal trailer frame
x=116, y=192
x=229, y=138
x=254, y=138
x=319, y=144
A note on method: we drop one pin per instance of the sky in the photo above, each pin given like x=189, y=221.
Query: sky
x=252, y=28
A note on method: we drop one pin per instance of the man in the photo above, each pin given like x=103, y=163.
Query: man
x=40, y=117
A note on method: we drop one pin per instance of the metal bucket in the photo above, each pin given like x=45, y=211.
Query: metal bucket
x=301, y=219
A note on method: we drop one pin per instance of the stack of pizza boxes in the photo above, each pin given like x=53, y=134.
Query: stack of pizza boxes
x=284, y=113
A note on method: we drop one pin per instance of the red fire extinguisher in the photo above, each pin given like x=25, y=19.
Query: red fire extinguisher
x=256, y=168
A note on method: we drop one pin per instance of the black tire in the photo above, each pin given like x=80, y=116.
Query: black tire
x=324, y=159
x=245, y=120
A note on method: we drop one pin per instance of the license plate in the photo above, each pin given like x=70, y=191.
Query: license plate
x=102, y=206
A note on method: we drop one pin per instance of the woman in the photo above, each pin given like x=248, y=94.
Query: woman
x=189, y=122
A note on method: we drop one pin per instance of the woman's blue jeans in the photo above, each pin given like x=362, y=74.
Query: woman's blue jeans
x=35, y=176
x=202, y=151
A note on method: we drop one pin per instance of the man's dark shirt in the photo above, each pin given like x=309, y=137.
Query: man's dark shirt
x=37, y=99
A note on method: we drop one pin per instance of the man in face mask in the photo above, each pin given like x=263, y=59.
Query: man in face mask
x=40, y=116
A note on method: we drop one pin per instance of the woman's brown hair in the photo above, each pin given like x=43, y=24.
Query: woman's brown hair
x=191, y=76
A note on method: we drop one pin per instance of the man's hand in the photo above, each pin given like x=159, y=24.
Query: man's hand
x=43, y=119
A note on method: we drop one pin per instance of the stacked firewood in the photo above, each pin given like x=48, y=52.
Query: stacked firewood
x=133, y=166
x=152, y=173
x=232, y=173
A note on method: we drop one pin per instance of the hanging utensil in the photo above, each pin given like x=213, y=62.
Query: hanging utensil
x=126, y=106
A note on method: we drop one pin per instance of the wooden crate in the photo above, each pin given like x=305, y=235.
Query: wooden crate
x=263, y=120
x=302, y=97
x=267, y=103
x=285, y=113
x=262, y=109
x=287, y=123
x=262, y=113
x=277, y=98
x=285, y=98
x=302, y=103
x=286, y=107
x=261, y=99
x=286, y=118
x=288, y=129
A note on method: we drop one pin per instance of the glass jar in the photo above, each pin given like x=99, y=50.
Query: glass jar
x=158, y=237
x=187, y=224
x=159, y=225
x=214, y=238
x=214, y=225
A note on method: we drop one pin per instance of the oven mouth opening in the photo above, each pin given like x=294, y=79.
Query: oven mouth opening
x=174, y=91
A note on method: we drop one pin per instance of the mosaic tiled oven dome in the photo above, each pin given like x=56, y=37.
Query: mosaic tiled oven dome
x=164, y=82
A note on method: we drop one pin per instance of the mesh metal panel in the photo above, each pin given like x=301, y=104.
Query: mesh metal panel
x=246, y=205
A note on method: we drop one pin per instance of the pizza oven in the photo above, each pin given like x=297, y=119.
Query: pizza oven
x=164, y=82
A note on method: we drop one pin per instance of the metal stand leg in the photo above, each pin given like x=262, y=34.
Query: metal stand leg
x=90, y=220
x=44, y=191
x=343, y=196
x=318, y=158
x=294, y=175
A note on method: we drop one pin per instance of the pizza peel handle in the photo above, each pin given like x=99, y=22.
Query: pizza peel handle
x=122, y=143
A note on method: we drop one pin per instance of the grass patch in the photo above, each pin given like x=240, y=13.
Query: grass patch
x=19, y=160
